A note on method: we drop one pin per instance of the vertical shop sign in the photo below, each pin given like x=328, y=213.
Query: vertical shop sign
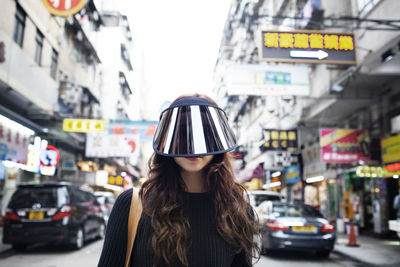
x=344, y=145
x=292, y=174
x=64, y=8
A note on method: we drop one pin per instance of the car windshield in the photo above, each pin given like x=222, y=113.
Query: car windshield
x=101, y=199
x=290, y=210
x=261, y=198
x=47, y=197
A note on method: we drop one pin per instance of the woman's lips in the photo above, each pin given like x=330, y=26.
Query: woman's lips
x=193, y=159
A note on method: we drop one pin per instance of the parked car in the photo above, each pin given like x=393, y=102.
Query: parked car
x=256, y=197
x=286, y=226
x=106, y=201
x=52, y=212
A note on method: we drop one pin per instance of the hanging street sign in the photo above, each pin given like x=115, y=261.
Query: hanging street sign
x=83, y=125
x=308, y=47
x=64, y=8
x=265, y=79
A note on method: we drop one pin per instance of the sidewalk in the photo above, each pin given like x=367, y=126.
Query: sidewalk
x=372, y=251
x=3, y=247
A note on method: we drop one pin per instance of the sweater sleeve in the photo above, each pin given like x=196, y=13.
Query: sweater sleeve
x=114, y=247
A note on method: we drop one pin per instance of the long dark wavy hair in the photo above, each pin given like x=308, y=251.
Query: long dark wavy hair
x=162, y=197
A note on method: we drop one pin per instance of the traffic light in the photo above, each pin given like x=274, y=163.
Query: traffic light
x=2, y=52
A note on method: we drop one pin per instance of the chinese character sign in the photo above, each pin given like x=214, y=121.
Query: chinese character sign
x=344, y=145
x=14, y=142
x=145, y=129
x=247, y=79
x=309, y=47
x=280, y=140
x=107, y=145
x=64, y=8
x=83, y=125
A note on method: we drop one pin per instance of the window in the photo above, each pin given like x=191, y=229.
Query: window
x=19, y=25
x=364, y=6
x=53, y=65
x=39, y=46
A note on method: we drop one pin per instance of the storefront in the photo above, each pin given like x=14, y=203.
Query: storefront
x=14, y=141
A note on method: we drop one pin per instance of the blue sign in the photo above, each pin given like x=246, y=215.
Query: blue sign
x=2, y=171
x=292, y=174
x=3, y=151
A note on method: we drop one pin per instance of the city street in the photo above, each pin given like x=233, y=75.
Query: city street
x=197, y=126
x=48, y=256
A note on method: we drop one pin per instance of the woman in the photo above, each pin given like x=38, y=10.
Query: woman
x=194, y=213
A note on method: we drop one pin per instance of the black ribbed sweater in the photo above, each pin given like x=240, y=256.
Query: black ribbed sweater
x=208, y=249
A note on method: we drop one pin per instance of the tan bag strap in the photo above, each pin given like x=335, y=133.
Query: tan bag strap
x=135, y=212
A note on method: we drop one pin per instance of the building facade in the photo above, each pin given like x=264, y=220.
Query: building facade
x=360, y=95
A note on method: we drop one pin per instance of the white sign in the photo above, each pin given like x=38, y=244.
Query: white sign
x=102, y=145
x=14, y=140
x=267, y=80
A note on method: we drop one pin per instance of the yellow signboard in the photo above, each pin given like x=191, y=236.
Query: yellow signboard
x=391, y=149
x=83, y=125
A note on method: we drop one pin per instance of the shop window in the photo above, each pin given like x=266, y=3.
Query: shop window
x=53, y=65
x=39, y=46
x=19, y=26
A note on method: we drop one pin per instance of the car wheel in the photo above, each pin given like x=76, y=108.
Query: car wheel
x=324, y=253
x=79, y=239
x=19, y=247
x=102, y=231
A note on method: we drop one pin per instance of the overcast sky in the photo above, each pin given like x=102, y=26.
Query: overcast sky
x=176, y=46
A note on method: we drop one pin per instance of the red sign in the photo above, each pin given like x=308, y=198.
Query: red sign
x=64, y=8
x=344, y=145
x=49, y=157
x=393, y=167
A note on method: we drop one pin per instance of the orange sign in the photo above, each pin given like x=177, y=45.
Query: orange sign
x=64, y=8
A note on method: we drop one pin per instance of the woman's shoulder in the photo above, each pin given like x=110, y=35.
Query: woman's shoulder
x=125, y=197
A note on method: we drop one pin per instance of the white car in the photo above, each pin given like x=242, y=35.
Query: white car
x=256, y=197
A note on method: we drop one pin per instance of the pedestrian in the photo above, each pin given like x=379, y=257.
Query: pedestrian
x=396, y=205
x=194, y=213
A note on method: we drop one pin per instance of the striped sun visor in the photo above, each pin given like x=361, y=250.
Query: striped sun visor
x=193, y=130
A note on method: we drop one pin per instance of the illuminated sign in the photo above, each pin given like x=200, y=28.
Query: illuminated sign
x=118, y=180
x=280, y=140
x=292, y=174
x=393, y=167
x=64, y=8
x=49, y=157
x=308, y=47
x=83, y=125
x=375, y=172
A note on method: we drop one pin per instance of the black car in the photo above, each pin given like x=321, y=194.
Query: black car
x=294, y=227
x=55, y=212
